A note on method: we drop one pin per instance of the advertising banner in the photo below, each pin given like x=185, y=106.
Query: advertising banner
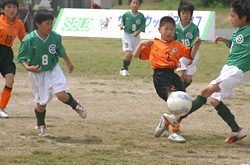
x=106, y=22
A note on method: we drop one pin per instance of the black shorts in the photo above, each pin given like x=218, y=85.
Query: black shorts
x=6, y=60
x=166, y=80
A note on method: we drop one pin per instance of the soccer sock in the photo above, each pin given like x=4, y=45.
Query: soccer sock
x=185, y=84
x=227, y=116
x=166, y=123
x=5, y=97
x=40, y=117
x=196, y=104
x=175, y=128
x=71, y=101
x=125, y=64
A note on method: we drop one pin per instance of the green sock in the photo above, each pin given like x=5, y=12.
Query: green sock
x=40, y=117
x=185, y=84
x=227, y=116
x=196, y=104
x=71, y=101
x=125, y=64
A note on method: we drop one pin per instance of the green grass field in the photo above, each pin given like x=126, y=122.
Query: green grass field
x=125, y=134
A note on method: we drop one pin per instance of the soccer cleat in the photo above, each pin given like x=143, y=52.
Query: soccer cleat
x=42, y=130
x=80, y=110
x=161, y=127
x=235, y=136
x=176, y=137
x=124, y=72
x=171, y=119
x=3, y=113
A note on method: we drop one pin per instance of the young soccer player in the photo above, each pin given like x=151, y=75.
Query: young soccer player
x=10, y=27
x=185, y=32
x=164, y=54
x=232, y=74
x=39, y=54
x=133, y=23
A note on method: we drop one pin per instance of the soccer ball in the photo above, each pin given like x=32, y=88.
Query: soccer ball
x=179, y=103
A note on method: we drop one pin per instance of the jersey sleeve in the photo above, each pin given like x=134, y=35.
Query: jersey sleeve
x=60, y=48
x=145, y=52
x=21, y=33
x=195, y=35
x=143, y=24
x=24, y=51
x=123, y=19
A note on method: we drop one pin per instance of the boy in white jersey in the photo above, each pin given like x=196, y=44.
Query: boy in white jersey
x=185, y=32
x=133, y=23
x=39, y=54
x=232, y=74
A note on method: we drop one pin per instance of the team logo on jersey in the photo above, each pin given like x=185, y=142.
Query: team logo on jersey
x=15, y=32
x=239, y=39
x=189, y=35
x=174, y=50
x=138, y=22
x=52, y=48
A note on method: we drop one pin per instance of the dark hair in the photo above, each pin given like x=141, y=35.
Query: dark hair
x=140, y=1
x=186, y=6
x=166, y=19
x=241, y=7
x=6, y=2
x=42, y=15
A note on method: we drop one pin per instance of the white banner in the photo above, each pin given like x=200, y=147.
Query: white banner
x=106, y=23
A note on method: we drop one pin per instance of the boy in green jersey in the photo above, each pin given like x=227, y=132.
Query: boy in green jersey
x=39, y=54
x=232, y=74
x=185, y=32
x=133, y=23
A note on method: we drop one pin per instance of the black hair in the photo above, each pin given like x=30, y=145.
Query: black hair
x=42, y=15
x=6, y=2
x=140, y=1
x=186, y=6
x=241, y=7
x=166, y=19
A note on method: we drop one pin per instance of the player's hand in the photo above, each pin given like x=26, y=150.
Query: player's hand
x=136, y=33
x=189, y=62
x=35, y=69
x=121, y=27
x=218, y=39
x=197, y=41
x=147, y=42
x=70, y=68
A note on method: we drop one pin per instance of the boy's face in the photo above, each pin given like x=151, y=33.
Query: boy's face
x=235, y=20
x=185, y=16
x=45, y=27
x=10, y=10
x=167, y=31
x=135, y=5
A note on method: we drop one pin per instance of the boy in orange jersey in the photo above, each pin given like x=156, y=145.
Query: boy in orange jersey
x=10, y=27
x=164, y=54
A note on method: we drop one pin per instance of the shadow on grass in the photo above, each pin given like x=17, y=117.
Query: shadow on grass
x=68, y=140
x=29, y=117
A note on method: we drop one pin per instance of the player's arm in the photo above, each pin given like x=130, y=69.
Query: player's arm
x=195, y=48
x=218, y=39
x=122, y=26
x=33, y=68
x=137, y=52
x=68, y=63
x=136, y=33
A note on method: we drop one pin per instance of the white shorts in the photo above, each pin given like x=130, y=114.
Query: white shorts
x=189, y=69
x=230, y=77
x=129, y=42
x=44, y=82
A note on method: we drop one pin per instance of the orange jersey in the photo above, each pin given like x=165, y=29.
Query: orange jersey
x=165, y=54
x=9, y=30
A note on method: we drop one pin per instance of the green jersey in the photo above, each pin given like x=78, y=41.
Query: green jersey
x=133, y=23
x=186, y=35
x=240, y=49
x=36, y=51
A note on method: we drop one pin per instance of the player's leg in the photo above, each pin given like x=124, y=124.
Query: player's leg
x=187, y=81
x=126, y=62
x=68, y=99
x=6, y=94
x=40, y=112
x=181, y=74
